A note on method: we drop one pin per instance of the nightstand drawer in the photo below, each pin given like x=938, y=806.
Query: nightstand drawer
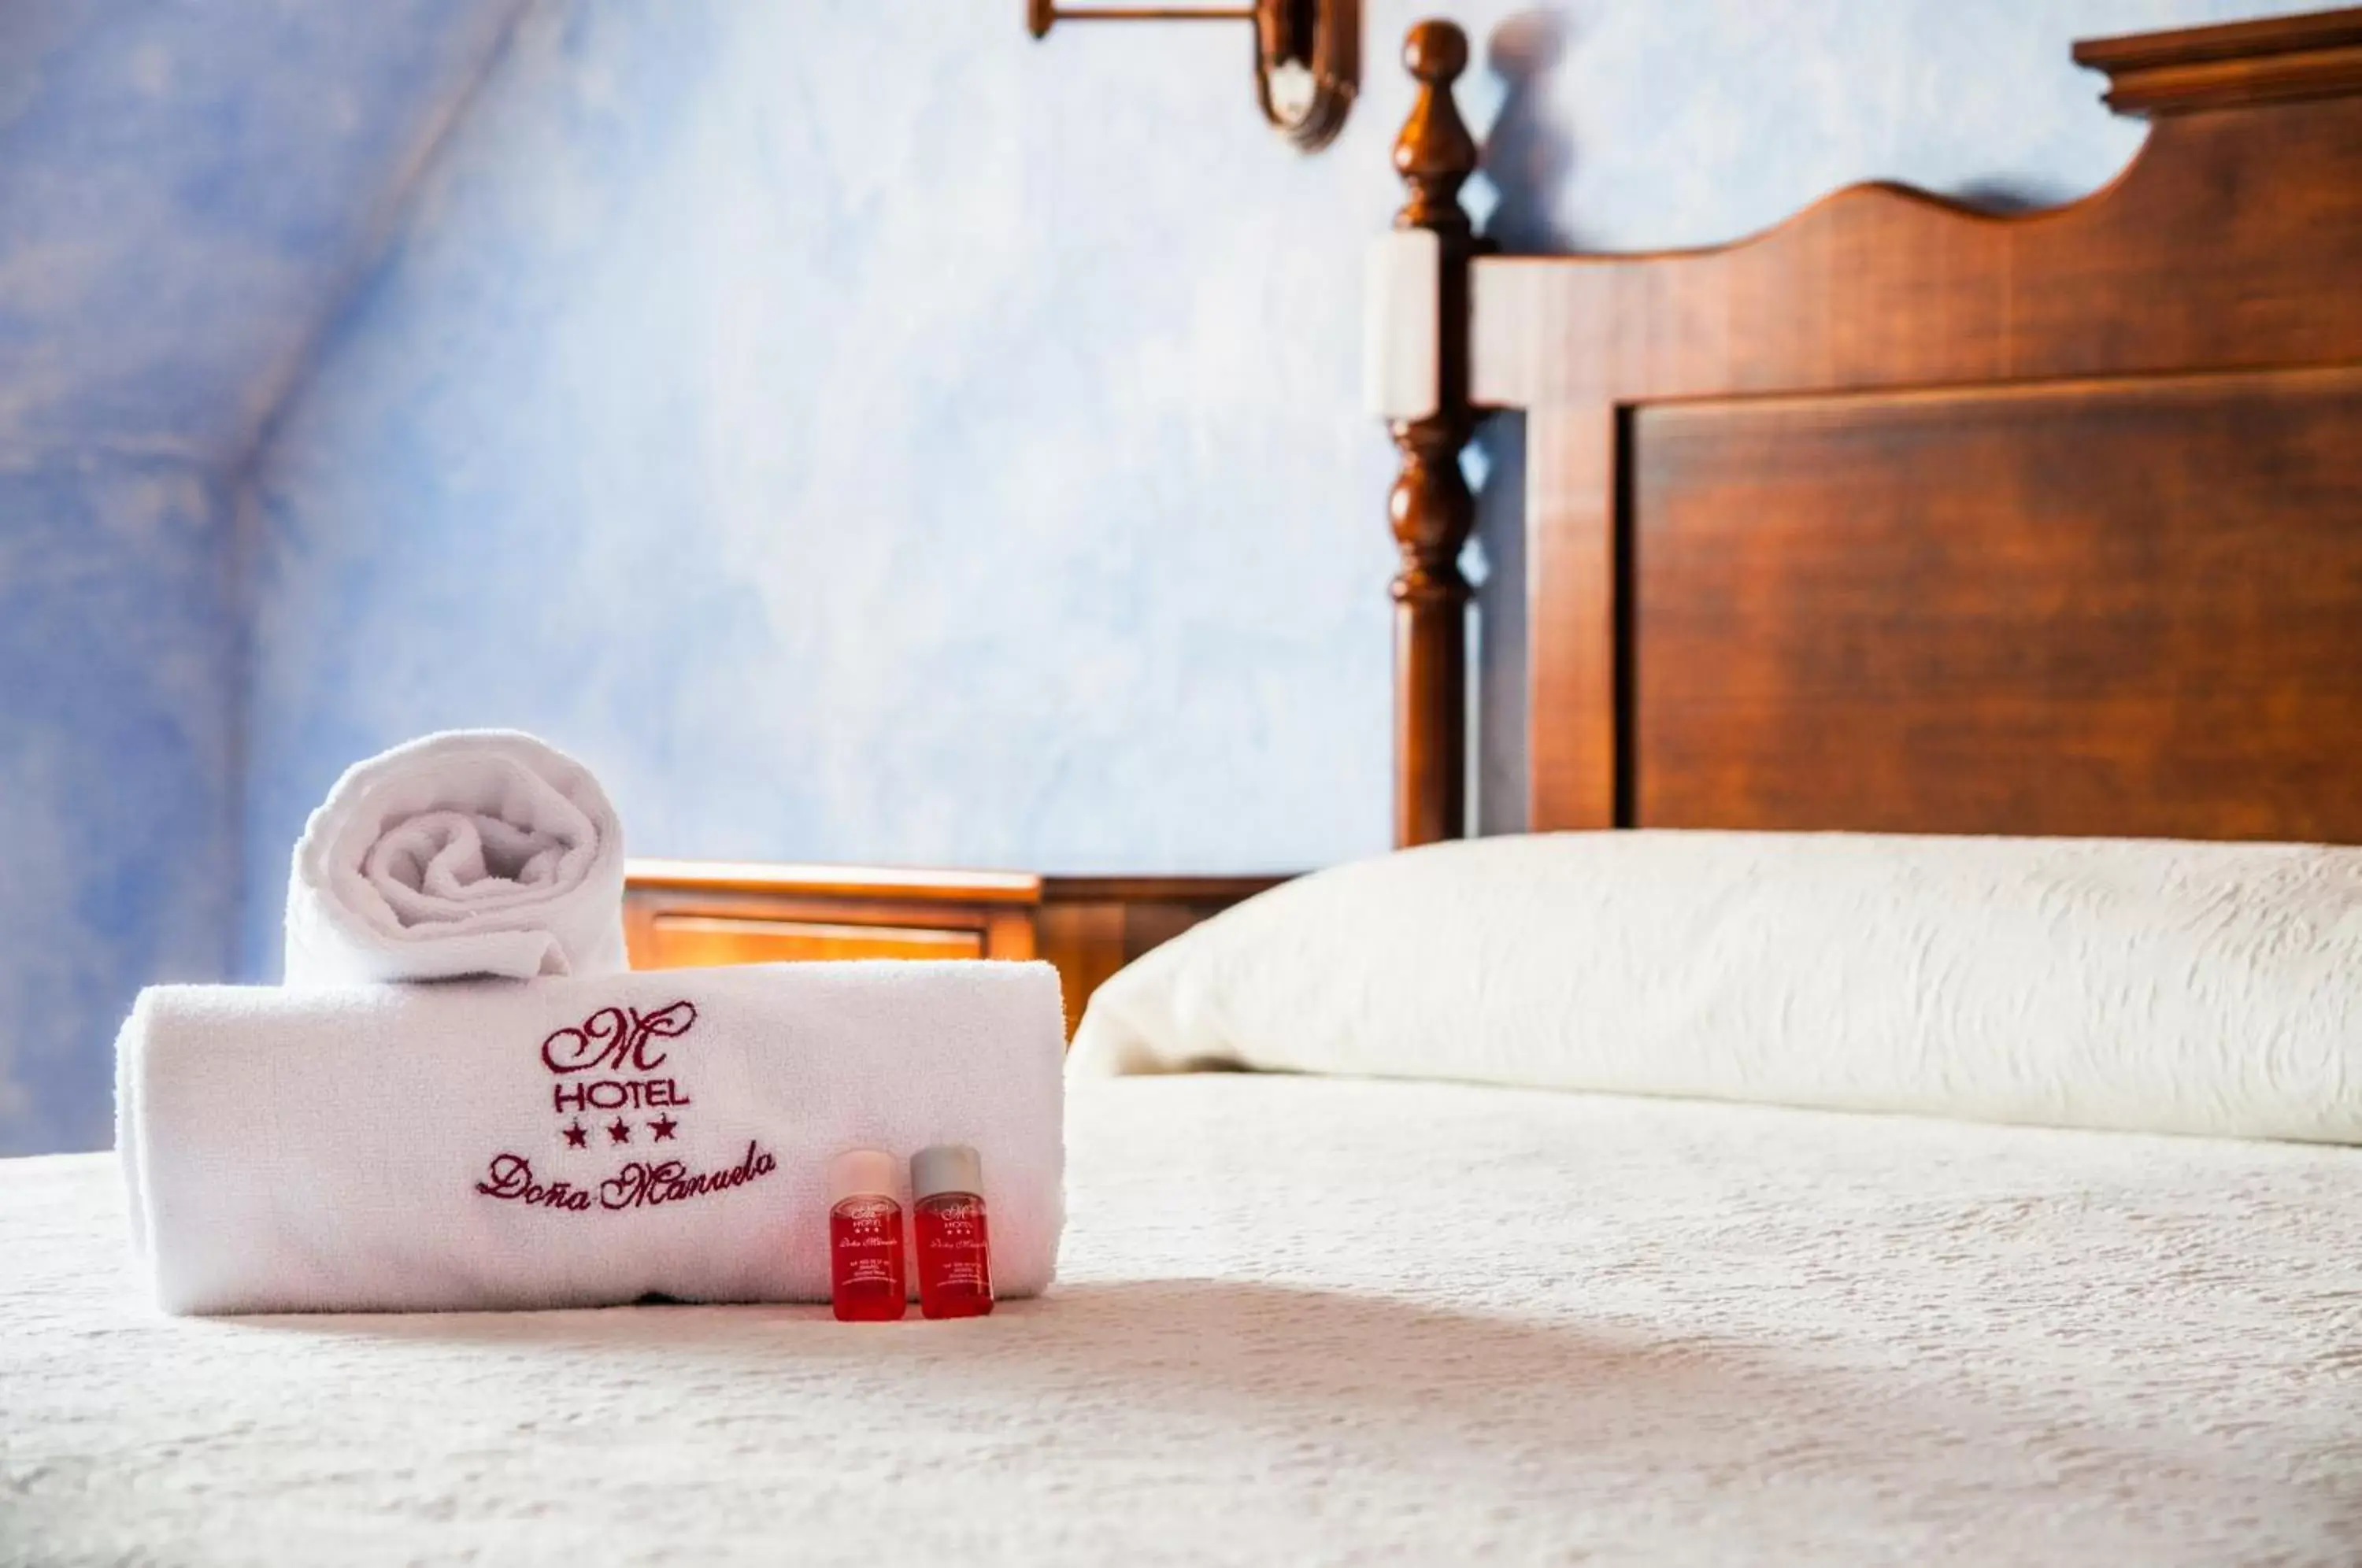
x=680, y=941
x=687, y=914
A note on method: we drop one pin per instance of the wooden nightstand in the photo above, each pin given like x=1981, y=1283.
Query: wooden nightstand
x=679, y=914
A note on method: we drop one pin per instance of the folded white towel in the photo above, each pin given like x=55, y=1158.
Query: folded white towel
x=475, y=852
x=572, y=1141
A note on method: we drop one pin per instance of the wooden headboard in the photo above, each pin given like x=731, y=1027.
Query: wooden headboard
x=1907, y=517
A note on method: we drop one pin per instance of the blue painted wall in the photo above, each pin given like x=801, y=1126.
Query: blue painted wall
x=864, y=433
x=185, y=193
x=861, y=432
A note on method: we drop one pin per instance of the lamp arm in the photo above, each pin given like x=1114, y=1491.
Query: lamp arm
x=1313, y=45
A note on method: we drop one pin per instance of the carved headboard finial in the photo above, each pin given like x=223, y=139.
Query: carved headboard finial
x=1431, y=508
x=1434, y=154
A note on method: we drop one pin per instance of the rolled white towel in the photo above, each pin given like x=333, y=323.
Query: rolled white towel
x=570, y=1143
x=473, y=852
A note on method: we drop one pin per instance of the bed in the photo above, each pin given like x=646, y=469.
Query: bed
x=1899, y=517
x=1437, y=1324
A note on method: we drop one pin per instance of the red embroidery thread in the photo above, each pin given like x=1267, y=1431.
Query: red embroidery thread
x=639, y=1185
x=511, y=1178
x=617, y=1038
x=616, y=1094
x=622, y=1040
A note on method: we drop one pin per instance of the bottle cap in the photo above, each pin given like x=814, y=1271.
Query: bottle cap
x=946, y=1167
x=861, y=1172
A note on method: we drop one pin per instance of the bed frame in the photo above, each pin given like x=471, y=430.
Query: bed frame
x=1904, y=516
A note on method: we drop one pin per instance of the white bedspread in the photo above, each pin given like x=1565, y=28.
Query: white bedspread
x=1306, y=1321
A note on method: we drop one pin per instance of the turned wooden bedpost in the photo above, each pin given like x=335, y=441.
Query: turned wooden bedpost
x=1430, y=507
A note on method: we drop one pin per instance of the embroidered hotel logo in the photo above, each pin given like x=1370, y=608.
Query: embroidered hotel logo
x=610, y=1090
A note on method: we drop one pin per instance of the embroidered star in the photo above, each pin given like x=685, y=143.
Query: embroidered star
x=662, y=1127
x=619, y=1130
x=576, y=1135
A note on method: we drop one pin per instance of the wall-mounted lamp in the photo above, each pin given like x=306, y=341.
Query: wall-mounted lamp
x=1307, y=60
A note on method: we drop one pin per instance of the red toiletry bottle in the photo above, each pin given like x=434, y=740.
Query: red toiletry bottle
x=865, y=1282
x=955, y=1251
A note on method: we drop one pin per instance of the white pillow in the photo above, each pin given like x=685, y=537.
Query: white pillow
x=2144, y=985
